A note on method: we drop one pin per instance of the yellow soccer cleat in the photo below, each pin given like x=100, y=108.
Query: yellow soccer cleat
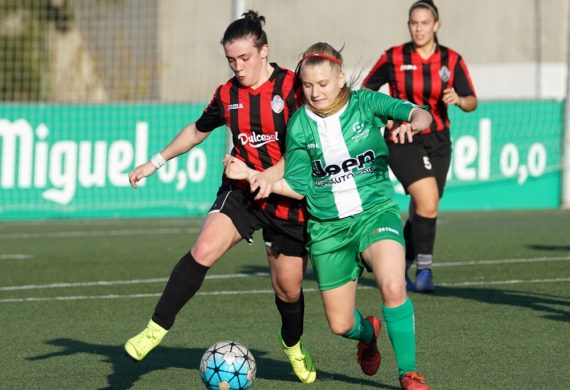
x=144, y=342
x=301, y=361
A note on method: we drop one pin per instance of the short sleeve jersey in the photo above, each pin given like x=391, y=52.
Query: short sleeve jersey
x=257, y=119
x=340, y=163
x=422, y=81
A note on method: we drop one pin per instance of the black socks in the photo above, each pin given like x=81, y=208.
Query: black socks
x=423, y=238
x=410, y=254
x=291, y=319
x=185, y=280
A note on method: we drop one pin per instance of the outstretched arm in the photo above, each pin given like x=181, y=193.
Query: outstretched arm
x=238, y=170
x=420, y=120
x=262, y=182
x=281, y=187
x=182, y=143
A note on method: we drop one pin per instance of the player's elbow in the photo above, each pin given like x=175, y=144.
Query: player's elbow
x=472, y=104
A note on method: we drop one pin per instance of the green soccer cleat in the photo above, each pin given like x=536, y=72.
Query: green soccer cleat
x=144, y=342
x=301, y=361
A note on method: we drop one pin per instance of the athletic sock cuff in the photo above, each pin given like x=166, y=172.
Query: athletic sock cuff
x=281, y=303
x=424, y=220
x=356, y=332
x=397, y=313
x=194, y=265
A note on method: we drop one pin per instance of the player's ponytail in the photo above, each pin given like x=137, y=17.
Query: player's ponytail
x=250, y=25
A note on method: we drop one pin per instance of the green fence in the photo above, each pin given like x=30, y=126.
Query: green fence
x=72, y=161
x=506, y=155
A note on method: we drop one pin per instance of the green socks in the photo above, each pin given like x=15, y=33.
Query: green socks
x=400, y=325
x=361, y=331
x=401, y=331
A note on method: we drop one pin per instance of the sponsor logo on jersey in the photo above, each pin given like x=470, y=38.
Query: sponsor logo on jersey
x=358, y=127
x=235, y=106
x=313, y=146
x=360, y=131
x=257, y=140
x=277, y=104
x=405, y=67
x=445, y=74
x=358, y=162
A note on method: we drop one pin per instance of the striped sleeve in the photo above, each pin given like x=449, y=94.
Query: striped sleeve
x=378, y=75
x=462, y=82
x=213, y=115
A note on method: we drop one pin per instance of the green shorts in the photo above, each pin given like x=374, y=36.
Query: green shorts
x=335, y=247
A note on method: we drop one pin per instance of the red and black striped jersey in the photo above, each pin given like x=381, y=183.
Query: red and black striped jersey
x=257, y=119
x=422, y=81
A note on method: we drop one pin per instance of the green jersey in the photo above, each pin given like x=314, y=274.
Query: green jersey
x=340, y=163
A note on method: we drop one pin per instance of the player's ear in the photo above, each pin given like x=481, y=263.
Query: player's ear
x=341, y=80
x=264, y=52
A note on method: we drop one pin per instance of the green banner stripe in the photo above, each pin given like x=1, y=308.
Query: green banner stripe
x=72, y=161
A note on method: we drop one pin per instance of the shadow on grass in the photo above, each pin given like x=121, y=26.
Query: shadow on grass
x=540, y=247
x=126, y=372
x=542, y=304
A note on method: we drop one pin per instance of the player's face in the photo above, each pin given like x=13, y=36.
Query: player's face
x=321, y=84
x=422, y=26
x=247, y=61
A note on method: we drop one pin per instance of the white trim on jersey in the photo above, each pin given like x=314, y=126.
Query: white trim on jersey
x=335, y=150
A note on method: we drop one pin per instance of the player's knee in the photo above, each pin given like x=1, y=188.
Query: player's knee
x=393, y=291
x=205, y=253
x=287, y=284
x=428, y=208
x=340, y=328
x=289, y=294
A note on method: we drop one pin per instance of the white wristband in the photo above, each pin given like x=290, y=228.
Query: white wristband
x=158, y=161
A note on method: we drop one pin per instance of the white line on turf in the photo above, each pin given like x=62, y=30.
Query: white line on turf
x=257, y=274
x=250, y=292
x=120, y=282
x=15, y=256
x=98, y=233
x=501, y=261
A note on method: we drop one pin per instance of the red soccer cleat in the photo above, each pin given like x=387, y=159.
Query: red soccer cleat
x=412, y=381
x=368, y=356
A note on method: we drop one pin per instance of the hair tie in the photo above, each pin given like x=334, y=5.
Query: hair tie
x=325, y=56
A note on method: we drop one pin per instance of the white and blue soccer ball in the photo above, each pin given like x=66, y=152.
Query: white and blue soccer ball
x=228, y=365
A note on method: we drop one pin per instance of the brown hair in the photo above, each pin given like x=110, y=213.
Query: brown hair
x=251, y=24
x=316, y=54
x=429, y=5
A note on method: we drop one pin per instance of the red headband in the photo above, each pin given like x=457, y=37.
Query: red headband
x=325, y=56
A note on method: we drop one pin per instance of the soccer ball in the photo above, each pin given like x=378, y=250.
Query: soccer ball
x=227, y=365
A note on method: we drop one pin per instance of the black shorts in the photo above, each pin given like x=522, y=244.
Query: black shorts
x=427, y=156
x=285, y=237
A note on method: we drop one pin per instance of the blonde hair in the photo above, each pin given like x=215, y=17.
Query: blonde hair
x=316, y=54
